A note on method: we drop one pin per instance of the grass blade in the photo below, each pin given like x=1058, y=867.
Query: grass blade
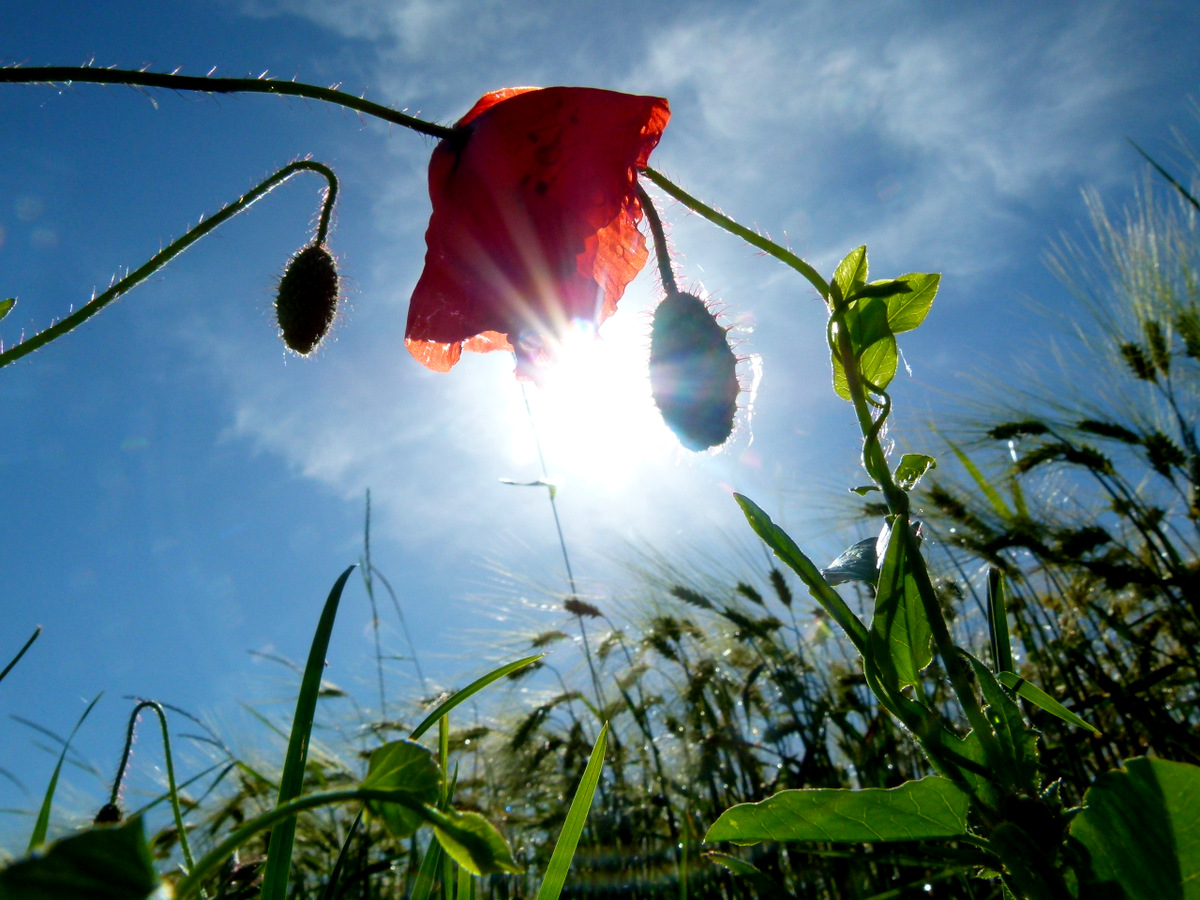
x=997, y=601
x=279, y=852
x=427, y=874
x=43, y=820
x=568, y=840
x=1040, y=698
x=16, y=659
x=473, y=688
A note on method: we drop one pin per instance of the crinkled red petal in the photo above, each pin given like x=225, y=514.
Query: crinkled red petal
x=534, y=219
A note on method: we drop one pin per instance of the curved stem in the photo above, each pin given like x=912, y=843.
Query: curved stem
x=661, y=253
x=172, y=250
x=208, y=85
x=172, y=789
x=750, y=237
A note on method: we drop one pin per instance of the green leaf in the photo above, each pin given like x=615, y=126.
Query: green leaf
x=38, y=837
x=6, y=306
x=879, y=361
x=785, y=548
x=841, y=386
x=404, y=766
x=104, y=863
x=866, y=322
x=901, y=639
x=858, y=562
x=1141, y=827
x=568, y=840
x=851, y=273
x=471, y=689
x=1040, y=698
x=471, y=841
x=291, y=781
x=1019, y=768
x=916, y=810
x=911, y=469
x=907, y=309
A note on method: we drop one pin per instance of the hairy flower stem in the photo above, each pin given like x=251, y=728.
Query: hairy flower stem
x=752, y=238
x=164, y=256
x=661, y=253
x=173, y=790
x=54, y=75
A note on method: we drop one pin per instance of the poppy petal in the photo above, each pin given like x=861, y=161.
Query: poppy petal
x=534, y=220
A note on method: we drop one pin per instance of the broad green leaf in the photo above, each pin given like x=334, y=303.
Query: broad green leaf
x=968, y=759
x=42, y=824
x=1019, y=768
x=568, y=839
x=901, y=640
x=6, y=306
x=911, y=469
x=785, y=548
x=1141, y=827
x=866, y=323
x=404, y=766
x=1040, y=698
x=291, y=781
x=879, y=361
x=471, y=689
x=851, y=273
x=916, y=810
x=103, y=863
x=471, y=841
x=907, y=310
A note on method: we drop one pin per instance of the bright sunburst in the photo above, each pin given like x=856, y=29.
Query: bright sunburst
x=594, y=414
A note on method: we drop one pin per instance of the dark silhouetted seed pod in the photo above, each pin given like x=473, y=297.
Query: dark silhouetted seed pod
x=692, y=372
x=307, y=299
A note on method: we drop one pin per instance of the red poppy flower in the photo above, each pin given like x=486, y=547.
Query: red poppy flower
x=534, y=221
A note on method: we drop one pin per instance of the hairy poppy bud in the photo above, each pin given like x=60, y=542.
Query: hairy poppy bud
x=307, y=298
x=108, y=814
x=692, y=372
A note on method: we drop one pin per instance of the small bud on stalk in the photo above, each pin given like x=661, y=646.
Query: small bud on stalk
x=306, y=302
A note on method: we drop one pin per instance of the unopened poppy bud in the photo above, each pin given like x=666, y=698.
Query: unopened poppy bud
x=693, y=373
x=108, y=814
x=307, y=298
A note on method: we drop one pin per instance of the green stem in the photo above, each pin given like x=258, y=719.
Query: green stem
x=172, y=250
x=172, y=789
x=876, y=464
x=661, y=253
x=208, y=85
x=750, y=237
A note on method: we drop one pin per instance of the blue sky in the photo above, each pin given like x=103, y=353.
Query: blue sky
x=178, y=491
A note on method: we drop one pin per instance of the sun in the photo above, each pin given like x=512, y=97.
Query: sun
x=593, y=412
